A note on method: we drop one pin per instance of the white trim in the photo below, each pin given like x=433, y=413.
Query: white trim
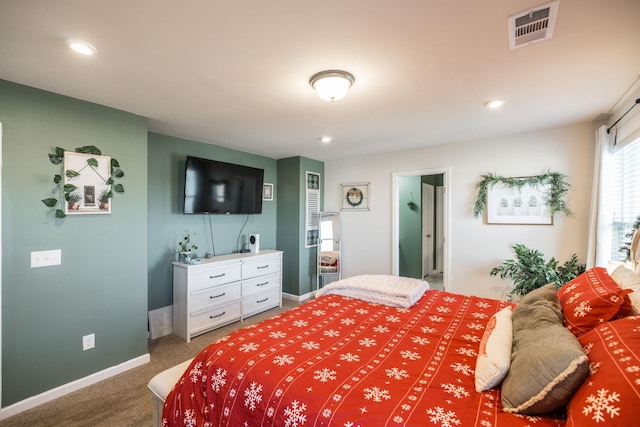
x=0, y=270
x=292, y=297
x=395, y=226
x=33, y=401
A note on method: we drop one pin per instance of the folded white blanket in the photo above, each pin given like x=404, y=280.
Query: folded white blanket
x=393, y=291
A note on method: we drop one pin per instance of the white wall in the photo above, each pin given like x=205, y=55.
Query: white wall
x=475, y=247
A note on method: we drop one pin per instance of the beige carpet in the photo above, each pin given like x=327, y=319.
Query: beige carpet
x=124, y=400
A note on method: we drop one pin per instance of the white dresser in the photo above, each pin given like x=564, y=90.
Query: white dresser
x=224, y=289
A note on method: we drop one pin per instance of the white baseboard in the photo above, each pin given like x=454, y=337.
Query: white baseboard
x=33, y=401
x=298, y=298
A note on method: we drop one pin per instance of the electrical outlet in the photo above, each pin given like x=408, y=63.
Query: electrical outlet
x=88, y=342
x=46, y=258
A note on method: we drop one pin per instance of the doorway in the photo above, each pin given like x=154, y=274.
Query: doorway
x=429, y=256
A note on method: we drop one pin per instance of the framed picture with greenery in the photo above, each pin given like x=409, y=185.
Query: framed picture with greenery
x=355, y=196
x=87, y=176
x=518, y=205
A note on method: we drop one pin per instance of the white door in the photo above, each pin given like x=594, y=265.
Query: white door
x=439, y=245
x=428, y=210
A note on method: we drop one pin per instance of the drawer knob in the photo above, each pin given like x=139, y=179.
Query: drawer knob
x=219, y=275
x=217, y=296
x=260, y=267
x=262, y=300
x=262, y=284
x=217, y=315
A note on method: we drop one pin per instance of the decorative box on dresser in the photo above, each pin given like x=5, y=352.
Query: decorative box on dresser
x=224, y=289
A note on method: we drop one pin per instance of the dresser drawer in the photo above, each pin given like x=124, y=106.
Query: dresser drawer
x=215, y=295
x=260, y=267
x=260, y=284
x=257, y=303
x=211, y=317
x=212, y=275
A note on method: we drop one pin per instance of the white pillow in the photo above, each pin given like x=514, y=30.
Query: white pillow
x=494, y=356
x=627, y=279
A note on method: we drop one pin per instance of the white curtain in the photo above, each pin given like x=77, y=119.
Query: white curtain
x=600, y=216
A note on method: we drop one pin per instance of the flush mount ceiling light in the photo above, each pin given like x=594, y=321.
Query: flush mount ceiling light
x=332, y=85
x=325, y=139
x=82, y=47
x=494, y=103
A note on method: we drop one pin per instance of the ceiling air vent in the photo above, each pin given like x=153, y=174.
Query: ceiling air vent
x=533, y=25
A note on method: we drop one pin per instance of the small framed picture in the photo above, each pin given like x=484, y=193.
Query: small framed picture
x=526, y=205
x=355, y=196
x=267, y=192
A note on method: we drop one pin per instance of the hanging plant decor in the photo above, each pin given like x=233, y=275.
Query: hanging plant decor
x=554, y=198
x=97, y=168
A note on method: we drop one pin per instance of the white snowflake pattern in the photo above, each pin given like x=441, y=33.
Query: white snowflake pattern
x=246, y=348
x=368, y=342
x=189, y=419
x=472, y=338
x=324, y=375
x=481, y=304
x=461, y=368
x=443, y=309
x=331, y=333
x=458, y=391
x=349, y=357
x=428, y=330
x=436, y=319
x=582, y=309
x=277, y=335
x=396, y=373
x=376, y=394
x=449, y=299
x=381, y=329
x=362, y=311
x=300, y=323
x=392, y=319
x=420, y=340
x=326, y=413
x=253, y=396
x=295, y=414
x=347, y=321
x=567, y=289
x=218, y=380
x=466, y=352
x=475, y=326
x=318, y=312
x=446, y=419
x=479, y=315
x=601, y=404
x=573, y=298
x=310, y=345
x=195, y=372
x=411, y=355
x=285, y=359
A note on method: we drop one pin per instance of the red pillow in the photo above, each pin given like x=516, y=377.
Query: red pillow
x=611, y=393
x=591, y=299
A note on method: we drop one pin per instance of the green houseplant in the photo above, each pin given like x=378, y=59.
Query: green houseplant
x=185, y=247
x=530, y=271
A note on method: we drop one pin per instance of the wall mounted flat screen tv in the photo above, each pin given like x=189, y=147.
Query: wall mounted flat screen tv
x=214, y=187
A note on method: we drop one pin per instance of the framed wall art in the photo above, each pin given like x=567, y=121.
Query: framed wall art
x=355, y=196
x=90, y=174
x=267, y=192
x=518, y=205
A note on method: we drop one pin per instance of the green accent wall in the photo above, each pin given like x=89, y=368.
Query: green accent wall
x=410, y=226
x=299, y=266
x=167, y=224
x=101, y=285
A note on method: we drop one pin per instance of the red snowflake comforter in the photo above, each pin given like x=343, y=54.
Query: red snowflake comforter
x=337, y=361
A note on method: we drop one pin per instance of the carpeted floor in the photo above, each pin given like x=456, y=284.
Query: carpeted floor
x=124, y=400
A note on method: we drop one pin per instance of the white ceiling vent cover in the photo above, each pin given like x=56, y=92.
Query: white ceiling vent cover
x=533, y=25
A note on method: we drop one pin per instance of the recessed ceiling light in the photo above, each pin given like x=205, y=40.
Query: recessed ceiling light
x=82, y=47
x=494, y=103
x=326, y=139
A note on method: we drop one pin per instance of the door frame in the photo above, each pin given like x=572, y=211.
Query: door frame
x=428, y=228
x=395, y=214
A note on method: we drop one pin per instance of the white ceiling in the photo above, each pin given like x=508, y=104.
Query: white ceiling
x=235, y=73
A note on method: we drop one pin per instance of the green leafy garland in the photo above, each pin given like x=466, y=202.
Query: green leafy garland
x=554, y=198
x=66, y=190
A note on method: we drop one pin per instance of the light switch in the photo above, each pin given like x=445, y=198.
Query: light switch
x=46, y=258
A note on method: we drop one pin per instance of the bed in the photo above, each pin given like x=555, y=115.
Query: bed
x=388, y=351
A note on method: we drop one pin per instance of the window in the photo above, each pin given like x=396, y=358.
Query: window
x=626, y=197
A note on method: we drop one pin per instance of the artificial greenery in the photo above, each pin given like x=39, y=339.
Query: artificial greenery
x=554, y=198
x=67, y=192
x=530, y=271
x=185, y=244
